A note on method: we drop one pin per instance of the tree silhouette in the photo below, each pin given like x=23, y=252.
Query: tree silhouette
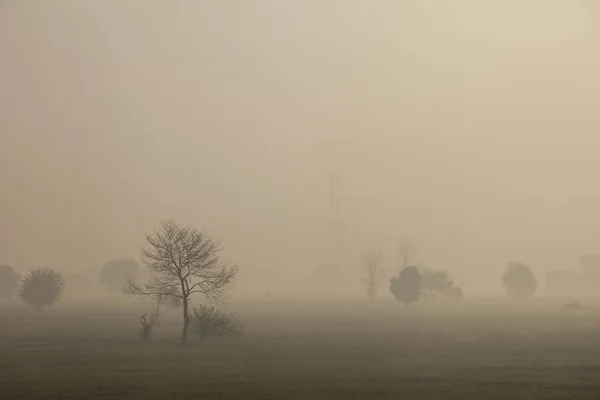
x=519, y=280
x=183, y=261
x=406, y=251
x=406, y=287
x=372, y=272
x=434, y=282
x=41, y=287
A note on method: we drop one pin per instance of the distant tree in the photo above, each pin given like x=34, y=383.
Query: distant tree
x=406, y=287
x=183, y=261
x=454, y=293
x=434, y=282
x=372, y=273
x=114, y=274
x=591, y=267
x=406, y=251
x=9, y=280
x=519, y=280
x=41, y=287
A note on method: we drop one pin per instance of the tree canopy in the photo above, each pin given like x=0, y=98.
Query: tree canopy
x=406, y=288
x=519, y=280
x=434, y=282
x=41, y=287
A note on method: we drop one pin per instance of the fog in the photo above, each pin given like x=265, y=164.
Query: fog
x=471, y=127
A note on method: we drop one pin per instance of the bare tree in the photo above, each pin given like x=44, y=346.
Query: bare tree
x=183, y=261
x=372, y=270
x=406, y=252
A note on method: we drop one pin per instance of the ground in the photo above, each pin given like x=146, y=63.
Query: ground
x=307, y=350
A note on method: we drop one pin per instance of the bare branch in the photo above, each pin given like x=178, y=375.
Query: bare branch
x=372, y=270
x=407, y=253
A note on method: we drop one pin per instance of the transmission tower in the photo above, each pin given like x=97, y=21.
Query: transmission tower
x=335, y=245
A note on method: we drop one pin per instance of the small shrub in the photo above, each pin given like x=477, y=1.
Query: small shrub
x=148, y=325
x=207, y=321
x=41, y=287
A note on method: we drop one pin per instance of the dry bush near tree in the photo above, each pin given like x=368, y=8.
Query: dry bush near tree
x=206, y=321
x=148, y=323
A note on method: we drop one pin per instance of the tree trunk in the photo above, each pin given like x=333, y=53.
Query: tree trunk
x=186, y=321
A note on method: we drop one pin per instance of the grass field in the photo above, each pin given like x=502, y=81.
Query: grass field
x=307, y=350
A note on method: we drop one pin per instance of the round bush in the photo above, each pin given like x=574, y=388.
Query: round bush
x=41, y=287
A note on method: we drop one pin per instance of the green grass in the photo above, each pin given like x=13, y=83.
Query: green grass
x=305, y=350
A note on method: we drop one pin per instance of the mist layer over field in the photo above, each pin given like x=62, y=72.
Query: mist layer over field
x=314, y=349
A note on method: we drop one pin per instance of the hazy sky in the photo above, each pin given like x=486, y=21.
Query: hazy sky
x=471, y=126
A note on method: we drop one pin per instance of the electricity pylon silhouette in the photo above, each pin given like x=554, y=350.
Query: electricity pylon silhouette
x=329, y=272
